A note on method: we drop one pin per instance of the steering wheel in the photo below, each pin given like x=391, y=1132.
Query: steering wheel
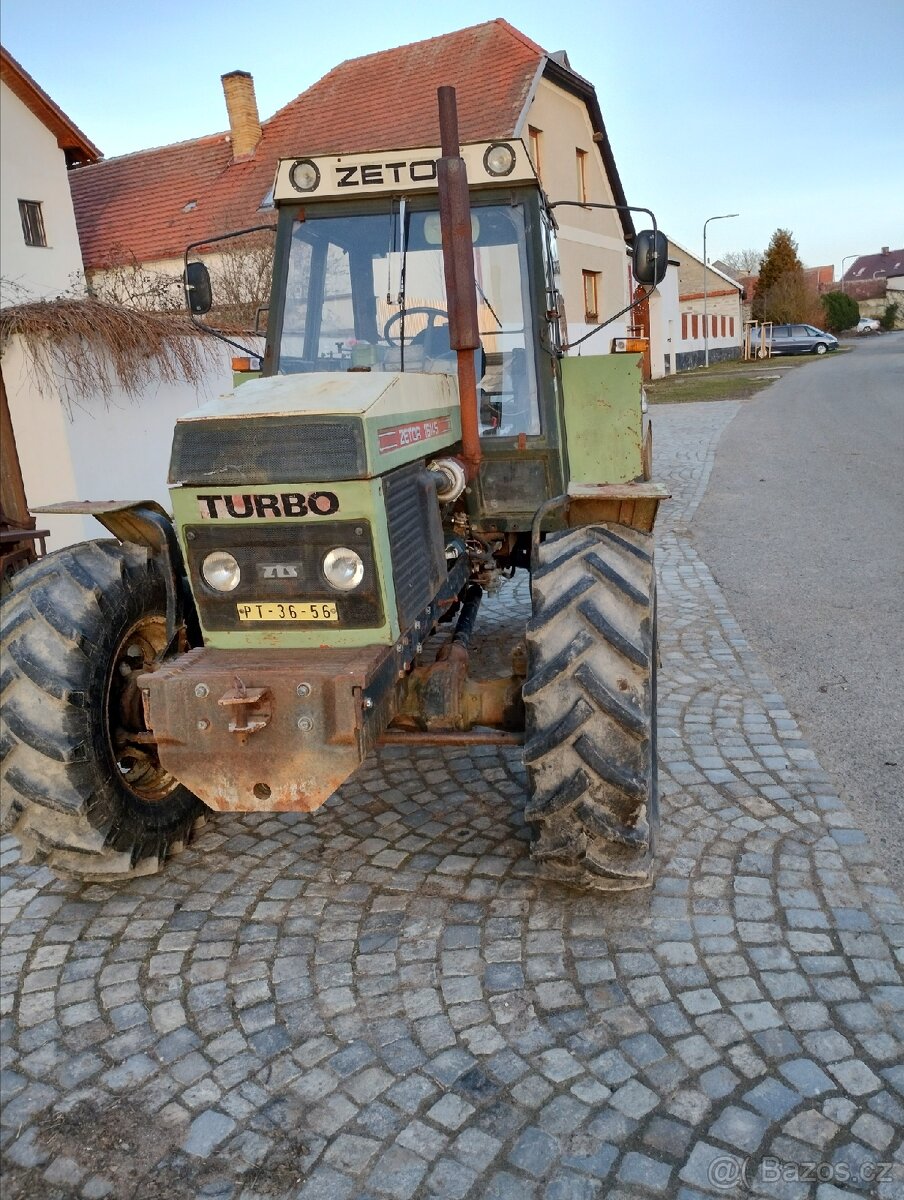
x=433, y=314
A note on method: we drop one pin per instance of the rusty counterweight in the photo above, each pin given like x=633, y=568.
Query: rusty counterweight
x=270, y=730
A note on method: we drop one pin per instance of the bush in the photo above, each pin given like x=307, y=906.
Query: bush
x=841, y=311
x=889, y=318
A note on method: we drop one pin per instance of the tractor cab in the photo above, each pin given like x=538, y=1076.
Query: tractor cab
x=361, y=285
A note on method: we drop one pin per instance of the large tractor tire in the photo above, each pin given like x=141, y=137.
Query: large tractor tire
x=590, y=701
x=82, y=788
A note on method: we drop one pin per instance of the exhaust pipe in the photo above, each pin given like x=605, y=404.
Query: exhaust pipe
x=458, y=262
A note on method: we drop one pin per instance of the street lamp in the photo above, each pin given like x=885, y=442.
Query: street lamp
x=721, y=217
x=843, y=261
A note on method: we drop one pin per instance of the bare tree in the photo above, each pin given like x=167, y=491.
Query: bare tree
x=240, y=273
x=126, y=282
x=240, y=281
x=743, y=262
x=792, y=299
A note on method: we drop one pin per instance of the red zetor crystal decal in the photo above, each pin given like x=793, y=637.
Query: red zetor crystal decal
x=399, y=436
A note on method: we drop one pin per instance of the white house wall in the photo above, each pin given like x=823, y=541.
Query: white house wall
x=724, y=318
x=665, y=325
x=588, y=239
x=33, y=167
x=722, y=312
x=40, y=427
x=97, y=449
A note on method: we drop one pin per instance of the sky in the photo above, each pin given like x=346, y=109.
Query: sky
x=790, y=114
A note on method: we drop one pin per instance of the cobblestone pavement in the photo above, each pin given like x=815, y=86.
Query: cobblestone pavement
x=381, y=1000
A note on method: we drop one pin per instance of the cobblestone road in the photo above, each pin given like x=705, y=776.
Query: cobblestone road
x=381, y=1000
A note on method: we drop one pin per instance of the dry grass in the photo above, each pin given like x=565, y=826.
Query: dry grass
x=88, y=347
x=734, y=380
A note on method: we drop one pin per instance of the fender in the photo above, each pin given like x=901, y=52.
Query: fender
x=143, y=523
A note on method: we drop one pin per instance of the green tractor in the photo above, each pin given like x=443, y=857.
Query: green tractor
x=415, y=435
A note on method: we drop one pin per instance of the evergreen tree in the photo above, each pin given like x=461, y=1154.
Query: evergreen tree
x=781, y=266
x=841, y=311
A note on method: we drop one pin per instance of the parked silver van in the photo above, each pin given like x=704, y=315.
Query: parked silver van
x=798, y=339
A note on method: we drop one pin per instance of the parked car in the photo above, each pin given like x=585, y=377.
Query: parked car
x=798, y=339
x=867, y=325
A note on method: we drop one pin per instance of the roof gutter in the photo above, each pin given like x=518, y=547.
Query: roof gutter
x=529, y=99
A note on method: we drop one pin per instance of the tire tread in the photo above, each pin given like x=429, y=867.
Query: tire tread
x=57, y=798
x=589, y=698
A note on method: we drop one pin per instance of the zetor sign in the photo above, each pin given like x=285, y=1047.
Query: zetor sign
x=392, y=171
x=399, y=436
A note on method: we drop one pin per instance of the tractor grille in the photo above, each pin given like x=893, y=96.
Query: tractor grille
x=298, y=546
x=415, y=539
x=267, y=450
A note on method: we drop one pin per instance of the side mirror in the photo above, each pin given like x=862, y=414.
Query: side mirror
x=198, y=295
x=651, y=257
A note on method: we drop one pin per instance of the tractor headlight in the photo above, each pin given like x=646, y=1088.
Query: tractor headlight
x=499, y=159
x=304, y=175
x=343, y=569
x=221, y=571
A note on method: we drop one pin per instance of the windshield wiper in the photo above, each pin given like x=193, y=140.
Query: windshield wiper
x=483, y=297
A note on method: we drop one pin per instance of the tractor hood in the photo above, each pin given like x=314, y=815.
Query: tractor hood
x=319, y=426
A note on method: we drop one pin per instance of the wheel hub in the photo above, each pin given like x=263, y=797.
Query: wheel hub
x=132, y=747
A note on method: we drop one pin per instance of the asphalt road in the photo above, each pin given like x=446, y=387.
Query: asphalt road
x=803, y=527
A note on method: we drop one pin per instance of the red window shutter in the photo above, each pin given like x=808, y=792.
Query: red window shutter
x=684, y=327
x=731, y=326
x=723, y=327
x=694, y=333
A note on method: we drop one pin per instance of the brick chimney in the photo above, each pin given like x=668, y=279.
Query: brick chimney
x=244, y=122
x=885, y=250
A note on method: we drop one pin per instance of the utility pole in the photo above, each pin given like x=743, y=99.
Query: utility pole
x=721, y=217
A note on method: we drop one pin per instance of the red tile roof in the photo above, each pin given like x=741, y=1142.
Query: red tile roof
x=135, y=205
x=876, y=266
x=70, y=139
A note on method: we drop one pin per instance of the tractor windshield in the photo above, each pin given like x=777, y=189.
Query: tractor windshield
x=368, y=291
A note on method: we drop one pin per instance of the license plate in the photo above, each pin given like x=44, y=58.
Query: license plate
x=287, y=612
